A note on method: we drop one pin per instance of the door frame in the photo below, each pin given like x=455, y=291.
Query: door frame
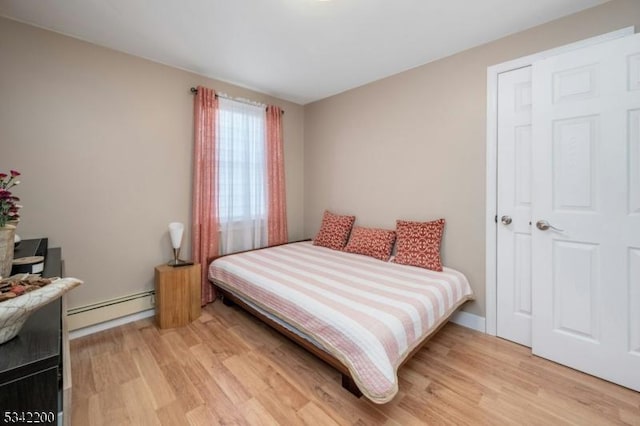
x=491, y=227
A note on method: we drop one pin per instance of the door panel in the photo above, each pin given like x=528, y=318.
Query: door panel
x=575, y=84
x=522, y=279
x=586, y=183
x=522, y=146
x=576, y=285
x=633, y=74
x=574, y=142
x=634, y=162
x=633, y=285
x=514, y=202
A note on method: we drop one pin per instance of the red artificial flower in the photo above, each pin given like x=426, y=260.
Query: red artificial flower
x=14, y=173
x=3, y=175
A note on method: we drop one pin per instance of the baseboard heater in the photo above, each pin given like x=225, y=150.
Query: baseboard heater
x=108, y=310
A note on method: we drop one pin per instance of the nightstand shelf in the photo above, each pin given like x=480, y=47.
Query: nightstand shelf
x=177, y=295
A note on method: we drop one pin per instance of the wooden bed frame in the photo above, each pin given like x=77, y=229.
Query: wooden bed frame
x=347, y=382
x=229, y=299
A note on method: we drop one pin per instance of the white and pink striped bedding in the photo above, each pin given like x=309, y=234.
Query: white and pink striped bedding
x=367, y=313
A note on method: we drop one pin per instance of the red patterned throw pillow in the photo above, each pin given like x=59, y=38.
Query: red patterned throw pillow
x=334, y=231
x=419, y=243
x=372, y=242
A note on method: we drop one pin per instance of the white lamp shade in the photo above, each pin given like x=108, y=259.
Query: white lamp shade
x=175, y=231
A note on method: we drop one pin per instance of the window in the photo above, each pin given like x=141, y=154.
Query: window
x=233, y=142
x=242, y=195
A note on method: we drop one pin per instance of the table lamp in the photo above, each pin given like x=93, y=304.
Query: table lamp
x=176, y=229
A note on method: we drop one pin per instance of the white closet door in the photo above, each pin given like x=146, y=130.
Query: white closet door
x=586, y=182
x=514, y=206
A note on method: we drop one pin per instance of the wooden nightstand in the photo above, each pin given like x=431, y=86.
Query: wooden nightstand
x=177, y=295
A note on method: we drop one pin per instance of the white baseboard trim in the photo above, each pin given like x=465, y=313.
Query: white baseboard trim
x=85, y=331
x=469, y=320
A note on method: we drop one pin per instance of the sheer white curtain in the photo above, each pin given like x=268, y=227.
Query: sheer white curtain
x=242, y=176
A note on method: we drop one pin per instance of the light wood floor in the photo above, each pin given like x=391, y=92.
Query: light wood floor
x=227, y=368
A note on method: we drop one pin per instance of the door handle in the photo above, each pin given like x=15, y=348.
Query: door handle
x=543, y=225
x=506, y=220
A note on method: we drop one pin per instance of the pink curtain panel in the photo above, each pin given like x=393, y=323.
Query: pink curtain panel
x=204, y=243
x=277, y=208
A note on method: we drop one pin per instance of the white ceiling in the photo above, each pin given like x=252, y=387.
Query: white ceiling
x=298, y=50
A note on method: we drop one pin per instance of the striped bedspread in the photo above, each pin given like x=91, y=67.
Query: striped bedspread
x=367, y=313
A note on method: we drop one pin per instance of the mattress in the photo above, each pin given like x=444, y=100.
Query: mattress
x=367, y=313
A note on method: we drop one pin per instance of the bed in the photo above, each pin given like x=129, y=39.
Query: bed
x=364, y=316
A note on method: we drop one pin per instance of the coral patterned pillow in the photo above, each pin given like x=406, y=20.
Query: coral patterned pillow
x=372, y=242
x=334, y=231
x=419, y=243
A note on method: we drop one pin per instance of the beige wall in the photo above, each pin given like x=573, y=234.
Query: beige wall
x=412, y=146
x=104, y=143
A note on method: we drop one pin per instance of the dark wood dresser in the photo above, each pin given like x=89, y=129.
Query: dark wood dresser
x=32, y=364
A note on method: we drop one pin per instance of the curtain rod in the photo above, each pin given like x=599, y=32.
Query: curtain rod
x=194, y=91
